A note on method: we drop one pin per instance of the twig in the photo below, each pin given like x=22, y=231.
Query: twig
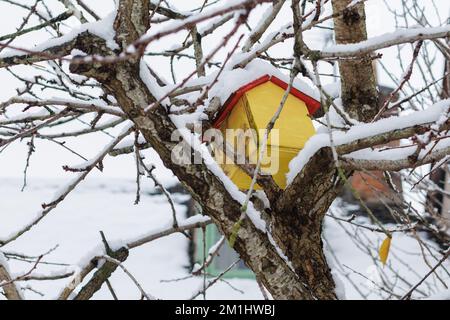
x=407, y=296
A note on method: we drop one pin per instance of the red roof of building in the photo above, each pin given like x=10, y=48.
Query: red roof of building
x=312, y=104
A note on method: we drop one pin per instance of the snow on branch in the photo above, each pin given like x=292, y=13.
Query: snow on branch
x=384, y=41
x=83, y=170
x=396, y=159
x=58, y=48
x=371, y=134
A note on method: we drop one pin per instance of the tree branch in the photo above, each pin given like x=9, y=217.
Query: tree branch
x=393, y=165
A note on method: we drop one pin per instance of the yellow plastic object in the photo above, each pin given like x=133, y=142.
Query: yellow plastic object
x=384, y=249
x=254, y=110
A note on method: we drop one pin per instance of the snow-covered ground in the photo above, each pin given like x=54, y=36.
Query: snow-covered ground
x=107, y=205
x=353, y=254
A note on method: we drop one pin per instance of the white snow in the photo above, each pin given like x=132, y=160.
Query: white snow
x=229, y=82
x=208, y=13
x=397, y=154
x=340, y=286
x=443, y=295
x=260, y=24
x=107, y=204
x=385, y=39
x=129, y=142
x=151, y=82
x=347, y=256
x=232, y=80
x=361, y=131
x=3, y=262
x=102, y=28
x=198, y=218
x=212, y=165
x=27, y=114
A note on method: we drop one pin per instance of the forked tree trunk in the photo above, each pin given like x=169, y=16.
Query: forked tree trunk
x=297, y=223
x=296, y=220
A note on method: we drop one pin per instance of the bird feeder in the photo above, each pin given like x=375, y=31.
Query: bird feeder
x=252, y=107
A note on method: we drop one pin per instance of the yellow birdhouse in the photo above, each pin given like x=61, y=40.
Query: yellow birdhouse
x=242, y=122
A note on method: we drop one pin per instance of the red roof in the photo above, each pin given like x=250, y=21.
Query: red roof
x=312, y=104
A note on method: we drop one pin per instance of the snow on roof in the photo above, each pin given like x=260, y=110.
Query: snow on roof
x=312, y=104
x=231, y=81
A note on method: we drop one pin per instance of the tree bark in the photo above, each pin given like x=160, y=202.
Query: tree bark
x=124, y=82
x=301, y=209
x=11, y=291
x=359, y=91
x=297, y=215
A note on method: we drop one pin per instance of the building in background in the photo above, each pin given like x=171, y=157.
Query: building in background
x=380, y=191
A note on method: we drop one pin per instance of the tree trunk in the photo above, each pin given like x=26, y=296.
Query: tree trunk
x=297, y=216
x=359, y=91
